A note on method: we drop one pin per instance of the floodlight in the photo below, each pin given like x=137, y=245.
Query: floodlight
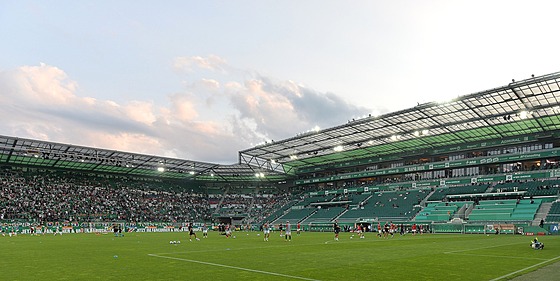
x=338, y=148
x=160, y=169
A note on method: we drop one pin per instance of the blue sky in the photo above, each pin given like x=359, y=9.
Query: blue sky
x=203, y=80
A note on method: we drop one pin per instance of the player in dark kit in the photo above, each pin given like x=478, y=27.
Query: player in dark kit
x=386, y=230
x=115, y=230
x=336, y=228
x=191, y=232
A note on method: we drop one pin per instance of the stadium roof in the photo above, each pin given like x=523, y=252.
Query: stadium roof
x=526, y=107
x=27, y=152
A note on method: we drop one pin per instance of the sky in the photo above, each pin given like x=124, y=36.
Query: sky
x=203, y=80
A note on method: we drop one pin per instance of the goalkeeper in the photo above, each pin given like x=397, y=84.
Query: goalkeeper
x=535, y=244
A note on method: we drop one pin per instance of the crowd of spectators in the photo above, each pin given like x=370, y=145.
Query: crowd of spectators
x=78, y=197
x=48, y=197
x=254, y=207
x=235, y=204
x=266, y=204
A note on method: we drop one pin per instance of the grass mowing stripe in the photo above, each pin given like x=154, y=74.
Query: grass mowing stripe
x=235, y=267
x=523, y=269
x=282, y=246
x=372, y=240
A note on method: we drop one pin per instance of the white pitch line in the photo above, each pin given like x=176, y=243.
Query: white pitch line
x=495, y=256
x=235, y=267
x=474, y=249
x=523, y=269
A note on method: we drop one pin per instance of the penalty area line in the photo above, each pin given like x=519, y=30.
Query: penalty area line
x=523, y=269
x=234, y=267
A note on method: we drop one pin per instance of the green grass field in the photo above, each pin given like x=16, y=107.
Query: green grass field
x=311, y=256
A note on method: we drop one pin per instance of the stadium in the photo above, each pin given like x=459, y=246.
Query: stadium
x=466, y=183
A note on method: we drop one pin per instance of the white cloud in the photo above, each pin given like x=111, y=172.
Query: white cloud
x=41, y=84
x=193, y=63
x=183, y=108
x=141, y=111
x=210, y=120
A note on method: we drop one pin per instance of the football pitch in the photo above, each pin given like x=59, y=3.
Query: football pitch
x=310, y=256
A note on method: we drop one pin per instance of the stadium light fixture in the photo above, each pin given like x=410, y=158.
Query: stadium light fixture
x=338, y=148
x=191, y=172
x=425, y=132
x=416, y=133
x=523, y=114
x=160, y=169
x=316, y=129
x=293, y=157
